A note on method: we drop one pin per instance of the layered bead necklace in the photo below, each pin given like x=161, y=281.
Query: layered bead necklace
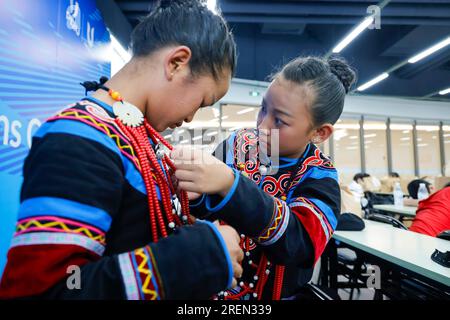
x=152, y=161
x=264, y=267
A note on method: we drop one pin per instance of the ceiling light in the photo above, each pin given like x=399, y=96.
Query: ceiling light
x=374, y=81
x=444, y=92
x=247, y=110
x=353, y=34
x=430, y=51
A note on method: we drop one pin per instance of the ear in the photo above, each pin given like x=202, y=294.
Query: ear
x=432, y=188
x=322, y=133
x=177, y=59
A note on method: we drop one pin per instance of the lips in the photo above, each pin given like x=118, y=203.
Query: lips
x=176, y=125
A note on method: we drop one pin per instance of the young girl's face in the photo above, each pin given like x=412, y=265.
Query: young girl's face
x=185, y=96
x=286, y=107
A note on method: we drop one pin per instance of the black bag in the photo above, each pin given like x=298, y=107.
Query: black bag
x=350, y=222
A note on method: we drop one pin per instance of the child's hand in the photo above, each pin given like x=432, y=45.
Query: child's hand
x=193, y=195
x=232, y=240
x=200, y=172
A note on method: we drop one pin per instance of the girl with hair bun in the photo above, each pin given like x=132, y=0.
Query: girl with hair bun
x=99, y=216
x=286, y=213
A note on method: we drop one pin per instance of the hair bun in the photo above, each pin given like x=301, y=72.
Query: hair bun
x=343, y=72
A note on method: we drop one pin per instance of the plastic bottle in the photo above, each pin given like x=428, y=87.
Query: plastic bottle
x=422, y=193
x=398, y=195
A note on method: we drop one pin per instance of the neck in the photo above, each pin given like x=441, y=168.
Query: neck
x=127, y=82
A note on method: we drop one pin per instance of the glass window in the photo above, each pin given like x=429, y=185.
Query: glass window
x=446, y=130
x=402, y=149
x=375, y=148
x=347, y=157
x=428, y=150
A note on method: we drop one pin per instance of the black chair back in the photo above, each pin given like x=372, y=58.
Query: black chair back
x=387, y=219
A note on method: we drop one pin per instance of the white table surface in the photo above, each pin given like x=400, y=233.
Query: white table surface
x=405, y=210
x=405, y=248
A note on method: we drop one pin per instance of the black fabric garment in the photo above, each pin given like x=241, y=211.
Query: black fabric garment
x=312, y=204
x=84, y=203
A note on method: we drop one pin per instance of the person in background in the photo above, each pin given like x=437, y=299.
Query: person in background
x=394, y=175
x=356, y=186
x=375, y=184
x=388, y=183
x=433, y=213
x=413, y=188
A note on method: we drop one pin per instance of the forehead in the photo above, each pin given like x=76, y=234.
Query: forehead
x=289, y=96
x=217, y=87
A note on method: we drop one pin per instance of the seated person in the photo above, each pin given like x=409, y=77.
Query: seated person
x=394, y=175
x=413, y=189
x=433, y=213
x=388, y=183
x=356, y=186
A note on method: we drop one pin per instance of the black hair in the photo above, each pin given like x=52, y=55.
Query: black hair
x=189, y=23
x=413, y=187
x=394, y=175
x=361, y=176
x=330, y=80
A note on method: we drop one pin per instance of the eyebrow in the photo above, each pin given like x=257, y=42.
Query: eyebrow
x=276, y=110
x=287, y=114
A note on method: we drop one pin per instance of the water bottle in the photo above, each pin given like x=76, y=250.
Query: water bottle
x=423, y=192
x=398, y=195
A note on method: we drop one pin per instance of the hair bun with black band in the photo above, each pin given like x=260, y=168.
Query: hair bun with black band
x=343, y=72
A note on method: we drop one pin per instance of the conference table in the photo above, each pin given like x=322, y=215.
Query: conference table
x=400, y=254
x=403, y=211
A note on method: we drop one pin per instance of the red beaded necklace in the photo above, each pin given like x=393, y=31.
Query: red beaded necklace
x=152, y=162
x=264, y=265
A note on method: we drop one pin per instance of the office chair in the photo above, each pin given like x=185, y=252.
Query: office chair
x=444, y=235
x=386, y=219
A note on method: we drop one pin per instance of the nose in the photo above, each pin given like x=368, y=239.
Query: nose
x=264, y=124
x=189, y=118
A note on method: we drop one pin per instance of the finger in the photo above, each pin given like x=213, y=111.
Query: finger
x=237, y=270
x=193, y=195
x=185, y=175
x=235, y=234
x=189, y=186
x=240, y=256
x=233, y=283
x=183, y=153
x=184, y=165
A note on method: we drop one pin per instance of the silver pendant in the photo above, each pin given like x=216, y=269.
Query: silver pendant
x=176, y=205
x=159, y=151
x=128, y=114
x=263, y=170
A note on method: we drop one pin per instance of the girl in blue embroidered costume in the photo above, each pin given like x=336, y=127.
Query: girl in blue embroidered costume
x=97, y=191
x=285, y=213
